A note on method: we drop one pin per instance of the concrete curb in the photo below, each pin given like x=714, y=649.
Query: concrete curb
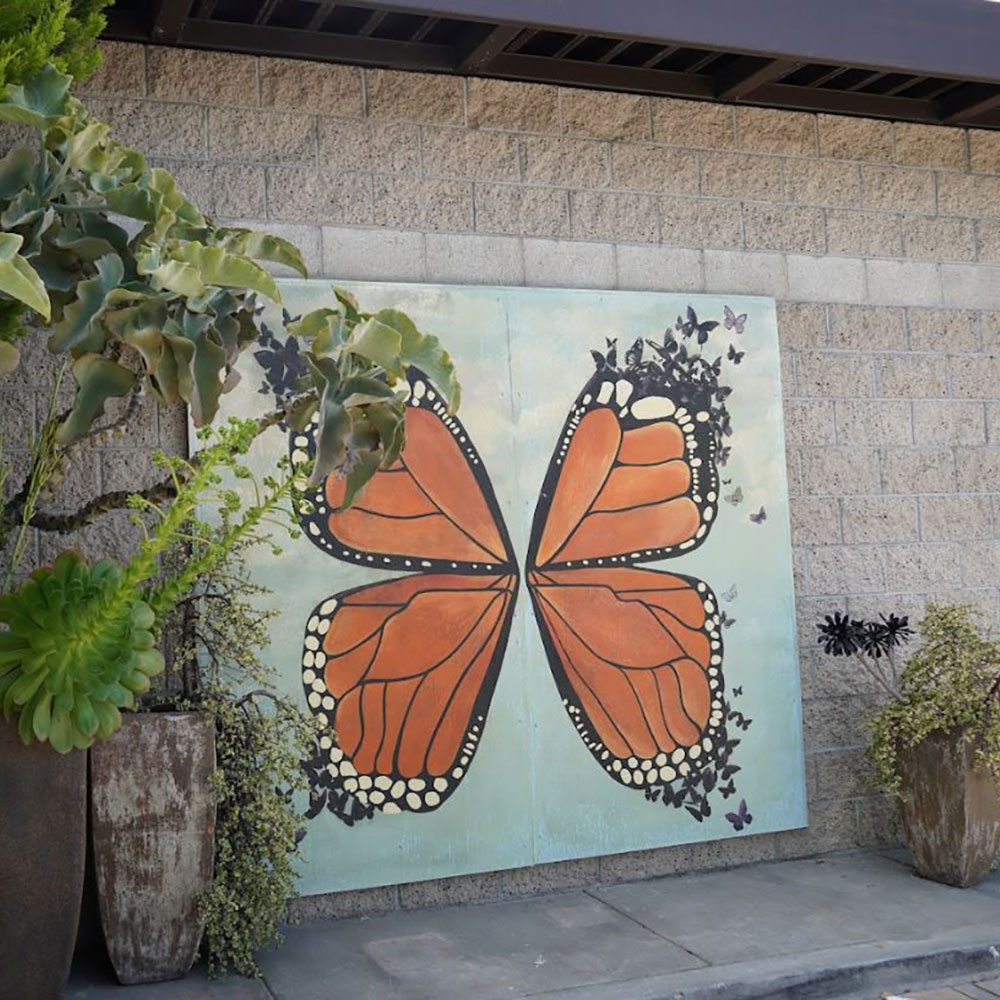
x=854, y=971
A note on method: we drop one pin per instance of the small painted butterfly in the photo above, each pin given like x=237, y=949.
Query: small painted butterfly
x=741, y=818
x=735, y=498
x=759, y=517
x=732, y=321
x=725, y=621
x=691, y=326
x=729, y=595
x=735, y=356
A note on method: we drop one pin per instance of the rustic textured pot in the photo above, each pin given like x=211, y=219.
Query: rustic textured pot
x=43, y=840
x=951, y=810
x=153, y=818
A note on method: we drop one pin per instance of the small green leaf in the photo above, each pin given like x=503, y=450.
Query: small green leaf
x=424, y=352
x=263, y=246
x=97, y=379
x=16, y=170
x=365, y=466
x=19, y=280
x=10, y=357
x=378, y=343
x=39, y=102
x=216, y=266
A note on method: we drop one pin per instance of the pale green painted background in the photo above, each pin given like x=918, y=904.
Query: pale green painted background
x=533, y=792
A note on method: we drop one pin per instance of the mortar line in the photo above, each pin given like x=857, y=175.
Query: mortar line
x=628, y=916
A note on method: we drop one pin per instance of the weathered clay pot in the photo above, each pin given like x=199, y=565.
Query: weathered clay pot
x=153, y=818
x=43, y=839
x=951, y=810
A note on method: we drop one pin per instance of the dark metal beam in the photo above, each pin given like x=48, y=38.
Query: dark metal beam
x=747, y=74
x=424, y=30
x=946, y=38
x=294, y=43
x=372, y=23
x=169, y=20
x=484, y=45
x=265, y=12
x=602, y=76
x=615, y=50
x=665, y=53
x=846, y=102
x=969, y=102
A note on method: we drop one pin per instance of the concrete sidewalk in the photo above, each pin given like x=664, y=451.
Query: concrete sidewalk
x=852, y=924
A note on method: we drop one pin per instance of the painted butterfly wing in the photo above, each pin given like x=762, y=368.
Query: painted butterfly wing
x=636, y=653
x=401, y=673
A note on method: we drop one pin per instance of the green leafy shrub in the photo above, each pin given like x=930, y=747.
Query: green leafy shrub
x=61, y=32
x=951, y=682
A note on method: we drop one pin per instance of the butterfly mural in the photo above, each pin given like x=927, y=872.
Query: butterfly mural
x=400, y=674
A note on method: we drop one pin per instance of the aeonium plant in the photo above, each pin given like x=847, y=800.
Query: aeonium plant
x=949, y=683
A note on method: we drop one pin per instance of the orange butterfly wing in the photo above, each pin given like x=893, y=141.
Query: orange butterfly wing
x=401, y=673
x=636, y=653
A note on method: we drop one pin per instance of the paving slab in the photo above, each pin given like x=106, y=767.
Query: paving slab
x=97, y=982
x=511, y=949
x=768, y=910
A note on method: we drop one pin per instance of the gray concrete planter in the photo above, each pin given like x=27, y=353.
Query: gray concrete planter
x=153, y=820
x=43, y=841
x=951, y=811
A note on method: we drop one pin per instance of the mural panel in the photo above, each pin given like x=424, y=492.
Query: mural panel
x=562, y=623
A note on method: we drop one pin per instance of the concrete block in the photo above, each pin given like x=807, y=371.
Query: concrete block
x=867, y=328
x=863, y=234
x=834, y=373
x=154, y=128
x=170, y=428
x=993, y=422
x=604, y=114
x=644, y=167
x=802, y=325
x=923, y=569
x=832, y=825
x=911, y=376
x=976, y=377
x=949, y=422
x=984, y=151
x=978, y=469
x=768, y=130
x=660, y=269
x=198, y=75
x=840, y=471
x=750, y=273
x=635, y=865
x=793, y=470
x=956, y=518
x=736, y=175
x=122, y=72
x=527, y=211
x=897, y=282
x=487, y=260
x=898, y=189
x=951, y=330
x=411, y=203
x=339, y=905
x=415, y=97
x=989, y=330
x=523, y=107
x=125, y=469
x=873, y=422
x=826, y=183
x=267, y=136
x=809, y=422
x=927, y=238
x=988, y=240
x=968, y=194
x=373, y=254
x=700, y=222
x=815, y=521
x=600, y=215
x=709, y=855
x=558, y=160
x=846, y=569
x=111, y=536
x=869, y=520
x=383, y=147
x=931, y=146
x=693, y=123
x=17, y=415
x=918, y=470
x=325, y=88
x=971, y=286
x=841, y=676
x=569, y=264
x=878, y=825
x=979, y=563
x=223, y=190
x=481, y=155
x=784, y=227
x=306, y=194
x=854, y=138
x=842, y=774
x=826, y=279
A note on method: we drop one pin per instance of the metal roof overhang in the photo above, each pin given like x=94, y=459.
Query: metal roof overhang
x=932, y=61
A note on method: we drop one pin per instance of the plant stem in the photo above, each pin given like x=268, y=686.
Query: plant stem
x=878, y=675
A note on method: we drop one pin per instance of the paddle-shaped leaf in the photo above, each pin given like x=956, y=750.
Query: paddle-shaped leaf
x=18, y=278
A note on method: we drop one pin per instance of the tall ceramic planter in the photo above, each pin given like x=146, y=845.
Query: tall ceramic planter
x=153, y=817
x=43, y=840
x=951, y=810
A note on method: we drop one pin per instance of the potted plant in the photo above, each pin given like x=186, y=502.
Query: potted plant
x=936, y=742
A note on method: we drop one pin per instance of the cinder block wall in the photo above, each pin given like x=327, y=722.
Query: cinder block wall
x=880, y=241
